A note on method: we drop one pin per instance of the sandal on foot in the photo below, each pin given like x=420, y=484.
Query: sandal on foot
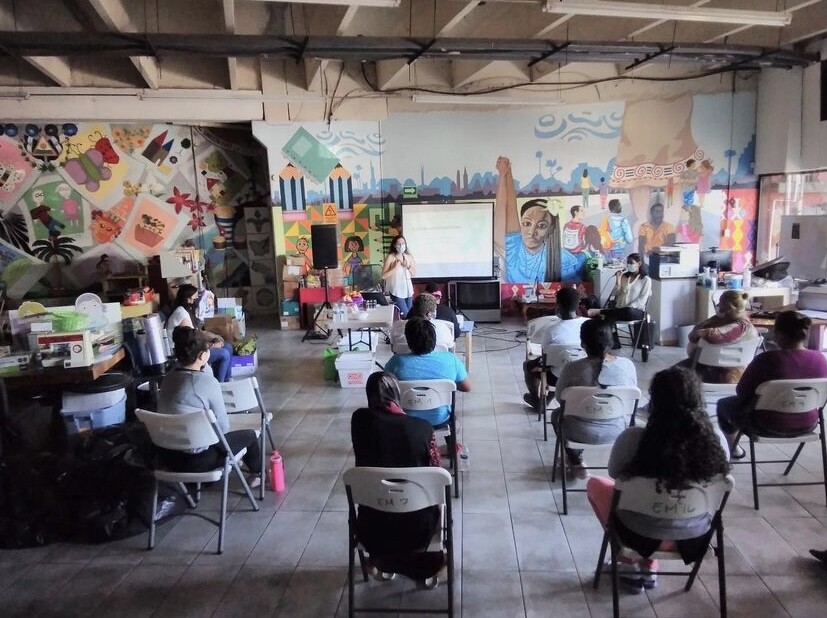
x=738, y=453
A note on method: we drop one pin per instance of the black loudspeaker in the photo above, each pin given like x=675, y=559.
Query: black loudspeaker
x=323, y=239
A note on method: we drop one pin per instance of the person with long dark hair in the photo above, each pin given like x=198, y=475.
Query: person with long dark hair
x=678, y=446
x=397, y=271
x=631, y=293
x=183, y=314
x=599, y=368
x=384, y=436
x=792, y=361
x=189, y=386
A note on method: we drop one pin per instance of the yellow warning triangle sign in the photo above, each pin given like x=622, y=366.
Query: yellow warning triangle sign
x=329, y=213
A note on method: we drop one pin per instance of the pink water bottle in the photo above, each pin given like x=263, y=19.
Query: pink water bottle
x=277, y=471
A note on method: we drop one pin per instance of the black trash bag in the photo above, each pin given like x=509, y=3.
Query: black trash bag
x=32, y=509
x=97, y=489
x=110, y=485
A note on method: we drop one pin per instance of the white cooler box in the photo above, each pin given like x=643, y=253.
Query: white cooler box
x=354, y=368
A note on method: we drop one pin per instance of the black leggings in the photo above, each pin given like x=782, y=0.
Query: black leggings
x=624, y=314
x=213, y=457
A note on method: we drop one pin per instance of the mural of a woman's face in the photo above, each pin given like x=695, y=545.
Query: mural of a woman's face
x=534, y=227
x=353, y=246
x=302, y=245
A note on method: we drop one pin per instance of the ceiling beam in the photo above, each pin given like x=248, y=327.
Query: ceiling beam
x=116, y=17
x=229, y=28
x=54, y=67
x=358, y=48
x=790, y=9
x=658, y=22
x=391, y=71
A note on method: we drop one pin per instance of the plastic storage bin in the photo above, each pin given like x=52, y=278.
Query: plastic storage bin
x=354, y=369
x=94, y=419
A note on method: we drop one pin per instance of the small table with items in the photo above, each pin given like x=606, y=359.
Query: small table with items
x=378, y=318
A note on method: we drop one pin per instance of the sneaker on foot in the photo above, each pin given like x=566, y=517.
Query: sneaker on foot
x=649, y=580
x=630, y=578
x=530, y=401
x=254, y=481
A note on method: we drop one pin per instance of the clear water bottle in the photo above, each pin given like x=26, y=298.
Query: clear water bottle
x=747, y=283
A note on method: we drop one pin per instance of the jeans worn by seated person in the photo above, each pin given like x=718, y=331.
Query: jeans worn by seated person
x=221, y=361
x=432, y=366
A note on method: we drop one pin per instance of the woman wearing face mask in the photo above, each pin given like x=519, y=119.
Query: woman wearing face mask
x=632, y=290
x=397, y=271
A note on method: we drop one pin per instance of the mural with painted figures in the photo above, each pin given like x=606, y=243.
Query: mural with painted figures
x=641, y=172
x=73, y=192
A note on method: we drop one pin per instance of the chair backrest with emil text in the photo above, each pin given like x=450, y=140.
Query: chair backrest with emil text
x=397, y=490
x=555, y=355
x=194, y=429
x=663, y=514
x=792, y=396
x=599, y=403
x=240, y=395
x=418, y=395
x=738, y=354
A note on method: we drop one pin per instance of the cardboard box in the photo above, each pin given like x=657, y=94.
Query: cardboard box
x=291, y=272
x=296, y=260
x=244, y=365
x=290, y=307
x=224, y=325
x=291, y=290
x=334, y=277
x=290, y=322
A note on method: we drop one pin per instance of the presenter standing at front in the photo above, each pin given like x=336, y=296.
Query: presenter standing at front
x=399, y=267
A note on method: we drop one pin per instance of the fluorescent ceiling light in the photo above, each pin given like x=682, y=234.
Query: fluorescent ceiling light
x=606, y=8
x=391, y=4
x=455, y=99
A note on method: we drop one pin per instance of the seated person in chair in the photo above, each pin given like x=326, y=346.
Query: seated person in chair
x=425, y=363
x=599, y=368
x=565, y=330
x=424, y=306
x=792, y=361
x=221, y=352
x=443, y=311
x=729, y=325
x=189, y=386
x=384, y=436
x=631, y=294
x=679, y=445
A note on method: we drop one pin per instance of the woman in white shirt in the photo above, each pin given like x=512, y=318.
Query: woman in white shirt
x=184, y=315
x=631, y=293
x=397, y=271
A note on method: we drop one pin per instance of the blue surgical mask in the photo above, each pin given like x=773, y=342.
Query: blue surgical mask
x=632, y=268
x=401, y=248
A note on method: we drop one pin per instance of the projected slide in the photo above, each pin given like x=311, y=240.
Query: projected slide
x=450, y=240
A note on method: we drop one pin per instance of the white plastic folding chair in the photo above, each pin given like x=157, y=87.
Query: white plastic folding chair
x=738, y=354
x=241, y=397
x=590, y=403
x=644, y=496
x=555, y=356
x=399, y=490
x=422, y=395
x=790, y=397
x=193, y=430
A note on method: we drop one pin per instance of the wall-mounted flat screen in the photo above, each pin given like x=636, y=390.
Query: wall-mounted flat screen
x=450, y=241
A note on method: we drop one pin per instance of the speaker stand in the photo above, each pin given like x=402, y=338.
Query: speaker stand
x=315, y=332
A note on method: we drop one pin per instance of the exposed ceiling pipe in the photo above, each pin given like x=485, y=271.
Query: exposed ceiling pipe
x=106, y=44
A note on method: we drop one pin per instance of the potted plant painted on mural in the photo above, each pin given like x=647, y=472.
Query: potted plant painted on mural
x=54, y=250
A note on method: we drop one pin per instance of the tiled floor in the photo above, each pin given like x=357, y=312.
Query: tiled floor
x=516, y=556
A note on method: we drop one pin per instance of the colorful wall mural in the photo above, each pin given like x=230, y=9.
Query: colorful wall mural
x=607, y=178
x=71, y=193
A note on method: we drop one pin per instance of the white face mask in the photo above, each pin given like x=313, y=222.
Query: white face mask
x=632, y=268
x=401, y=248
